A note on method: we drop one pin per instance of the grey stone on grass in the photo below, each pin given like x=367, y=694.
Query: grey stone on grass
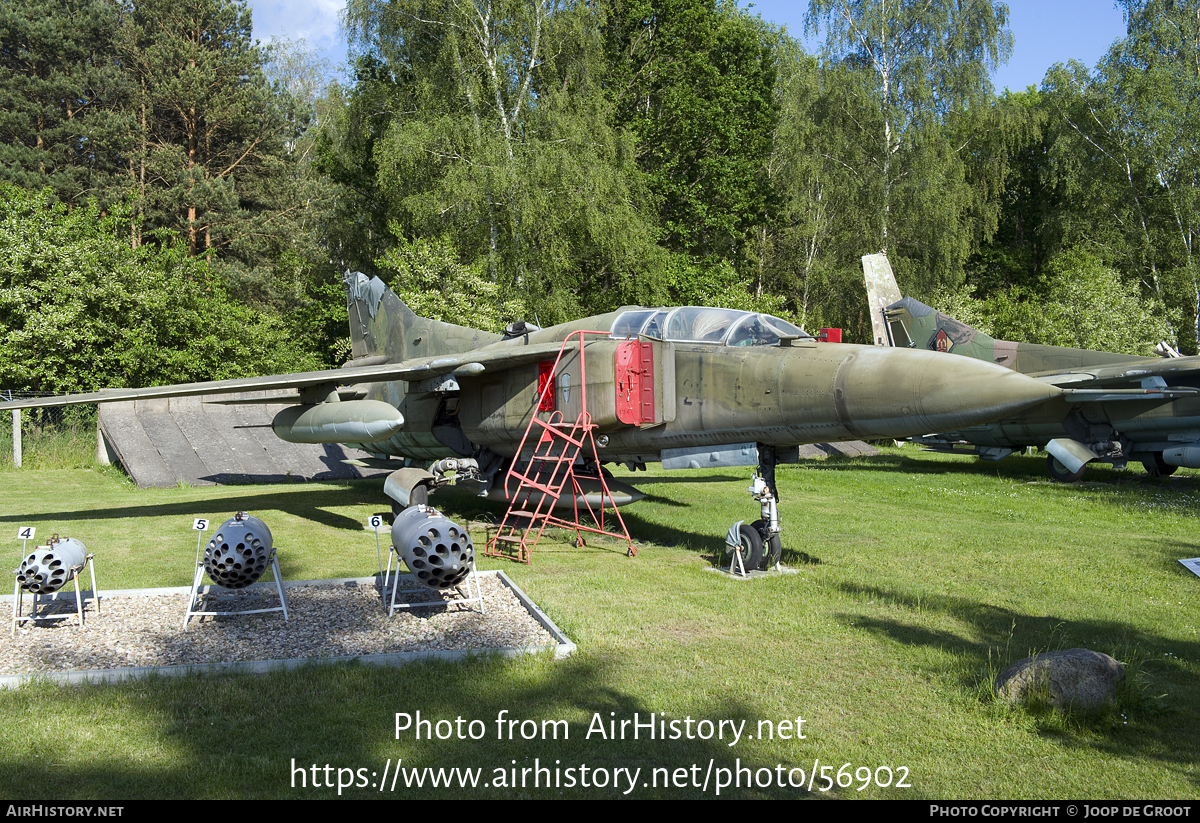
x=1072, y=679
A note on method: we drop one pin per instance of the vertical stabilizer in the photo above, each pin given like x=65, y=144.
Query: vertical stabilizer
x=383, y=326
x=882, y=292
x=906, y=323
x=364, y=299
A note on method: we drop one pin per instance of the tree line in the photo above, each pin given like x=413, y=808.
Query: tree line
x=183, y=199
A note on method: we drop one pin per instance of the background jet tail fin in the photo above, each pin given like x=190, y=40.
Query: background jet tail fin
x=882, y=292
x=907, y=323
x=914, y=325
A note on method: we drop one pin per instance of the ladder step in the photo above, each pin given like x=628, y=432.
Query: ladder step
x=529, y=483
x=547, y=455
x=546, y=424
x=543, y=489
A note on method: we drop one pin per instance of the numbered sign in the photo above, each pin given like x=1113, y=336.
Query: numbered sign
x=26, y=532
x=374, y=522
x=200, y=524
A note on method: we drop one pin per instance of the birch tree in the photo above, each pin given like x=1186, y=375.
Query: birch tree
x=930, y=59
x=484, y=124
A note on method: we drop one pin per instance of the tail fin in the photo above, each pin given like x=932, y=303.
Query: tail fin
x=373, y=316
x=882, y=292
x=384, y=329
x=907, y=323
x=912, y=324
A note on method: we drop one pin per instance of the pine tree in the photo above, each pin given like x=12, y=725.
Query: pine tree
x=210, y=132
x=63, y=122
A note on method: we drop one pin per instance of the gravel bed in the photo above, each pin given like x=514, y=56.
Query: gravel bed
x=325, y=620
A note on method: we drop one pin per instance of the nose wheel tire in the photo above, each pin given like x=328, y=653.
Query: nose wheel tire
x=772, y=549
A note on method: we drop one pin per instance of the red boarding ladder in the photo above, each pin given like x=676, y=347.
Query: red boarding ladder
x=550, y=471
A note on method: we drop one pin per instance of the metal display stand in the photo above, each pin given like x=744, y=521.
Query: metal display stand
x=393, y=583
x=193, y=611
x=375, y=522
x=72, y=575
x=200, y=526
x=736, y=566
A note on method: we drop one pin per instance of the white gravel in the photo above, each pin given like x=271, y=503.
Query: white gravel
x=325, y=620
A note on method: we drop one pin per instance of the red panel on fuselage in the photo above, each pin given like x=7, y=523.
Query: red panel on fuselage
x=635, y=382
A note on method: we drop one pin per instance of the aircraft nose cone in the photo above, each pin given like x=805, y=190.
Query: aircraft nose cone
x=901, y=392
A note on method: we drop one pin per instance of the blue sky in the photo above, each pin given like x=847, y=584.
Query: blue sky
x=1045, y=32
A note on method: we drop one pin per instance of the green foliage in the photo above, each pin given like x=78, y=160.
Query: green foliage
x=560, y=157
x=1079, y=302
x=56, y=438
x=715, y=283
x=429, y=278
x=168, y=106
x=64, y=122
x=489, y=127
x=83, y=310
x=815, y=166
x=923, y=71
x=1022, y=198
x=210, y=124
x=1155, y=80
x=961, y=305
x=694, y=81
x=1107, y=171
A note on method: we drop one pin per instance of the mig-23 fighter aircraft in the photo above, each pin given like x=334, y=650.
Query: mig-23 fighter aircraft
x=1114, y=407
x=661, y=383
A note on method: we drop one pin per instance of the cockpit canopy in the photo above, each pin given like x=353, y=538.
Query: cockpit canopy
x=698, y=324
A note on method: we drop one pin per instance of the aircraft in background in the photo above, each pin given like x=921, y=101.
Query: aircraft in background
x=682, y=386
x=1115, y=407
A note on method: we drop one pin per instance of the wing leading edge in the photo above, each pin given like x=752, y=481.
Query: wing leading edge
x=496, y=358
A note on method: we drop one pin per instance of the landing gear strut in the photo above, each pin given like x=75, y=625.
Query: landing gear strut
x=768, y=525
x=757, y=546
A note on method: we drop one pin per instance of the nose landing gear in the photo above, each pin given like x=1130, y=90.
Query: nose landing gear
x=756, y=546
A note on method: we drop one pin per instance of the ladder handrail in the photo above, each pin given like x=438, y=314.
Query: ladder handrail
x=579, y=436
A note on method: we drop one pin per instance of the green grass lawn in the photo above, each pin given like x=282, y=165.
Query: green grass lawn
x=920, y=577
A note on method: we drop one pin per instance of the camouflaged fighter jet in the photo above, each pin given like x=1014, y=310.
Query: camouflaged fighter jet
x=1114, y=407
x=684, y=386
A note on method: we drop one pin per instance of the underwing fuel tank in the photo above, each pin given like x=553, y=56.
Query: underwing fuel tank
x=347, y=421
x=590, y=494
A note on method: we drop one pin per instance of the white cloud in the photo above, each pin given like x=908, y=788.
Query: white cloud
x=314, y=21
